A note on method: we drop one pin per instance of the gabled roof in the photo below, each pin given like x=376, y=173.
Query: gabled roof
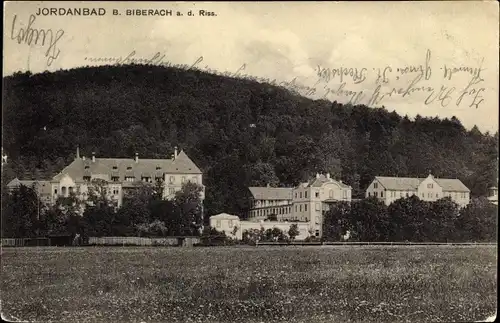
x=43, y=187
x=122, y=167
x=322, y=179
x=412, y=183
x=271, y=193
x=225, y=216
x=399, y=183
x=452, y=185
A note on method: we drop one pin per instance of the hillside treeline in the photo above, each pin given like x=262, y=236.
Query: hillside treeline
x=240, y=133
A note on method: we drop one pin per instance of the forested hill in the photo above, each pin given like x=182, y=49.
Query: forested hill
x=239, y=132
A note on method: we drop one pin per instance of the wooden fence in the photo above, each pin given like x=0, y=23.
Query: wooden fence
x=109, y=241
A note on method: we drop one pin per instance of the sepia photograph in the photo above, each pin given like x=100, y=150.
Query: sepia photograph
x=256, y=162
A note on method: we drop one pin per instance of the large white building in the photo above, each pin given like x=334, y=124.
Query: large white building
x=390, y=189
x=120, y=176
x=305, y=203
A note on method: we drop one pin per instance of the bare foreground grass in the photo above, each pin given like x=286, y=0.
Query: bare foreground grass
x=248, y=284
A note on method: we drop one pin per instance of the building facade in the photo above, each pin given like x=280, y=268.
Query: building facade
x=312, y=199
x=119, y=176
x=390, y=189
x=305, y=203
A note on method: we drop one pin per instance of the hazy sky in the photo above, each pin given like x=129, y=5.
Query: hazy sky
x=287, y=41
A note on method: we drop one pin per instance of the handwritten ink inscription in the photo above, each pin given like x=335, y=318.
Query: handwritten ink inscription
x=45, y=38
x=413, y=81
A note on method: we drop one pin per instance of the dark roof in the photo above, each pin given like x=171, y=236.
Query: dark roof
x=271, y=193
x=182, y=164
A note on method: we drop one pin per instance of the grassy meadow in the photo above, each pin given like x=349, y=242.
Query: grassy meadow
x=250, y=284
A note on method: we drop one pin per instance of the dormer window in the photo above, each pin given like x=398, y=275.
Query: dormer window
x=86, y=178
x=87, y=167
x=115, y=178
x=129, y=168
x=115, y=167
x=158, y=167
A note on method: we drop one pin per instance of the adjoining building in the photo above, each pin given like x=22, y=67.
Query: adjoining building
x=390, y=189
x=42, y=188
x=233, y=227
x=270, y=201
x=493, y=195
x=121, y=175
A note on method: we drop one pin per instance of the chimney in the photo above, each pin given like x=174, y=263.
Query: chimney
x=77, y=152
x=93, y=157
x=136, y=157
x=268, y=185
x=83, y=157
x=175, y=152
x=328, y=175
x=317, y=175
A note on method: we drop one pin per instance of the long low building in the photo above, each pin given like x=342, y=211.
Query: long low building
x=390, y=189
x=227, y=223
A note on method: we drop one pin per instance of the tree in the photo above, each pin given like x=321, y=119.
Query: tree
x=21, y=213
x=478, y=221
x=336, y=221
x=293, y=232
x=189, y=208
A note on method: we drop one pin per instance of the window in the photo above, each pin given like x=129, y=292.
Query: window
x=129, y=168
x=437, y=195
x=114, y=167
x=400, y=194
x=369, y=194
x=375, y=194
x=317, y=194
x=158, y=178
x=317, y=233
x=70, y=189
x=183, y=179
x=305, y=207
x=55, y=191
x=172, y=179
x=87, y=167
x=171, y=191
x=407, y=194
x=195, y=180
x=318, y=206
x=430, y=185
x=86, y=178
x=63, y=190
x=230, y=223
x=300, y=194
x=375, y=185
x=300, y=207
x=423, y=195
x=158, y=167
x=381, y=194
x=217, y=223
x=295, y=194
x=295, y=208
x=129, y=178
x=331, y=194
x=146, y=179
x=305, y=194
x=115, y=178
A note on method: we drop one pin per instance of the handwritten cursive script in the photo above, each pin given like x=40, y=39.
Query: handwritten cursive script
x=45, y=38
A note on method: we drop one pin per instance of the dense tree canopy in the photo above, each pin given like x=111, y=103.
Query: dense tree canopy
x=239, y=132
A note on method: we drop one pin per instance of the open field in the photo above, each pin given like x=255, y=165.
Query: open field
x=246, y=284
